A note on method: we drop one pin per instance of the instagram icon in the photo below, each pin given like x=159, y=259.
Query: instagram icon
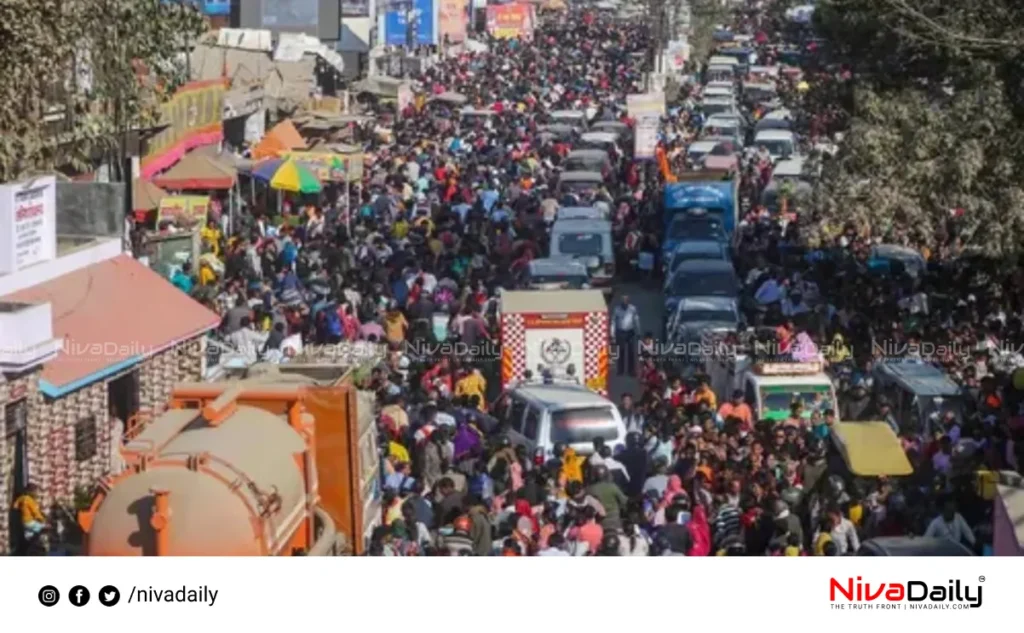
x=49, y=596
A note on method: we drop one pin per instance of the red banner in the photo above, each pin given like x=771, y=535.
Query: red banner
x=508, y=21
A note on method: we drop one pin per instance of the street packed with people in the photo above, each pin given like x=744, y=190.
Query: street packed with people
x=789, y=390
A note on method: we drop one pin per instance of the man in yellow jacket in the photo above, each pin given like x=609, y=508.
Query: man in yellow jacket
x=473, y=384
x=32, y=519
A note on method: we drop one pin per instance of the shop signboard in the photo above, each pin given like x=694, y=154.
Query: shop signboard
x=185, y=211
x=28, y=223
x=509, y=21
x=193, y=117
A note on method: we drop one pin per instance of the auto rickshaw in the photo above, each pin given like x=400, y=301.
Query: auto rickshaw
x=856, y=456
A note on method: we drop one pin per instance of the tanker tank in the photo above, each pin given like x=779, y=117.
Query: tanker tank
x=229, y=469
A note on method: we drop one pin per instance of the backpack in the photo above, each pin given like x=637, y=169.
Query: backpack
x=333, y=323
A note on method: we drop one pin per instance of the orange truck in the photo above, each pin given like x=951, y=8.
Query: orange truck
x=282, y=462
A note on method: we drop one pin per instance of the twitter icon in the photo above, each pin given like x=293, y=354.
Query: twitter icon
x=109, y=596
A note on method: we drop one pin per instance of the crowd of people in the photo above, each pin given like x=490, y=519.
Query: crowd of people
x=451, y=212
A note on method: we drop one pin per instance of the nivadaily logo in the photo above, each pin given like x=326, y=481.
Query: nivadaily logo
x=912, y=594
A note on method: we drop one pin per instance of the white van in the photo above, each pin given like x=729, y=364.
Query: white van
x=590, y=242
x=780, y=143
x=541, y=416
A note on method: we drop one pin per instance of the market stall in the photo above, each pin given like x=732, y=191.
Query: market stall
x=282, y=137
x=198, y=172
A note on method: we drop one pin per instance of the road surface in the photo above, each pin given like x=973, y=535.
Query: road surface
x=648, y=299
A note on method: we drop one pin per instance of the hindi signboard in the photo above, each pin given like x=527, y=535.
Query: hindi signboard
x=28, y=223
x=510, y=21
x=185, y=211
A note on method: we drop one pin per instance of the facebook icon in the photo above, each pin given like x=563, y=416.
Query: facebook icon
x=79, y=596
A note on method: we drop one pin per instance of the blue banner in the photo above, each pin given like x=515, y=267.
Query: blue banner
x=426, y=22
x=217, y=7
x=395, y=29
x=424, y=16
x=208, y=7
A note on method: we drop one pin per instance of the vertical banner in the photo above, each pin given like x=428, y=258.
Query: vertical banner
x=646, y=137
x=453, y=17
x=396, y=29
x=676, y=56
x=426, y=22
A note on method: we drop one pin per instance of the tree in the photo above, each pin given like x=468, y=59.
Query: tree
x=934, y=121
x=107, y=64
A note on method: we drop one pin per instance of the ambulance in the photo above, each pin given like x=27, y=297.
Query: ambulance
x=561, y=337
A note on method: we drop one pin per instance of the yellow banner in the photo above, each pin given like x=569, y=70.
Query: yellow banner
x=184, y=210
x=193, y=117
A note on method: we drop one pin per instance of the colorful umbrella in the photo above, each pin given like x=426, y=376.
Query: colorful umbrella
x=287, y=175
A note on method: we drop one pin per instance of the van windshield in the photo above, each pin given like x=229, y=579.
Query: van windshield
x=777, y=400
x=777, y=147
x=581, y=426
x=580, y=244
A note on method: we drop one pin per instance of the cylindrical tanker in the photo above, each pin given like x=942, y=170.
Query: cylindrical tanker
x=232, y=469
x=234, y=488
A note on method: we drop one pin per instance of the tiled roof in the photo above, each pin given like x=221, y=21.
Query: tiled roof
x=111, y=314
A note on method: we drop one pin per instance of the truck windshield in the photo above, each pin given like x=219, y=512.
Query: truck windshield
x=580, y=244
x=582, y=426
x=704, y=284
x=686, y=226
x=777, y=400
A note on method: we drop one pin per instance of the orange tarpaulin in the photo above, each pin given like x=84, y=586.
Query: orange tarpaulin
x=145, y=195
x=198, y=171
x=282, y=138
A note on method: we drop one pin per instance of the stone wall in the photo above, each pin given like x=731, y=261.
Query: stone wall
x=52, y=463
x=11, y=390
x=182, y=363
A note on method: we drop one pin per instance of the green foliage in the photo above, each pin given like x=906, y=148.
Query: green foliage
x=935, y=121
x=107, y=63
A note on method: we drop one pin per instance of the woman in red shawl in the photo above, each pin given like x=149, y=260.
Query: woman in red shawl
x=700, y=532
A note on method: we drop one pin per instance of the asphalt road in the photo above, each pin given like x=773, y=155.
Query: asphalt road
x=648, y=299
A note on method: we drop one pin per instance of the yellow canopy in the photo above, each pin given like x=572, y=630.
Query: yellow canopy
x=871, y=449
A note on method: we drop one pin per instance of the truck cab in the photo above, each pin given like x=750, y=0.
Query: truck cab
x=711, y=194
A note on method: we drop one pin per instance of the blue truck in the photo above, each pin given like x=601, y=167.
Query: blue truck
x=701, y=205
